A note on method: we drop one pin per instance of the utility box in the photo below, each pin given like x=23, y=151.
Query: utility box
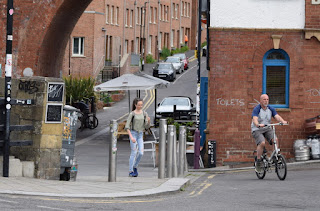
x=67, y=157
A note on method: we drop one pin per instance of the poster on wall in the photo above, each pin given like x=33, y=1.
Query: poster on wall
x=53, y=113
x=55, y=92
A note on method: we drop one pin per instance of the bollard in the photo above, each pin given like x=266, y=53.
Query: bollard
x=162, y=148
x=174, y=153
x=113, y=151
x=182, y=148
x=170, y=138
x=196, y=149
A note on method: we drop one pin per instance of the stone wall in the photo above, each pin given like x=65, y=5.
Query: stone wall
x=46, y=137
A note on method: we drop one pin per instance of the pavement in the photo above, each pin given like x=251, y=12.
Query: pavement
x=92, y=152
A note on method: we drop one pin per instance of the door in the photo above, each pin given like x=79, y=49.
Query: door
x=203, y=108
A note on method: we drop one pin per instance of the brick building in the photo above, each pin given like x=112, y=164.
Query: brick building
x=109, y=30
x=261, y=47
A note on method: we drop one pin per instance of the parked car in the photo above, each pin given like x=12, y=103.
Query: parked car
x=184, y=58
x=164, y=70
x=177, y=63
x=184, y=107
x=204, y=51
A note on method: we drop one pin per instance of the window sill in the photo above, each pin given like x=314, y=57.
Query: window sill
x=78, y=56
x=283, y=109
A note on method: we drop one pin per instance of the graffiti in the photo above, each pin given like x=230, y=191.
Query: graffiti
x=314, y=92
x=67, y=128
x=230, y=102
x=29, y=86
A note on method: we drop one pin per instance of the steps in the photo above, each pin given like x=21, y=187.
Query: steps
x=18, y=168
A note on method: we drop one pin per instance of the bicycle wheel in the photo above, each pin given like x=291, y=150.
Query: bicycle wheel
x=261, y=174
x=281, y=167
x=92, y=122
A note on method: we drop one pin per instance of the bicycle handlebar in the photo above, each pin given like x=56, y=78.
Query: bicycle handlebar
x=280, y=123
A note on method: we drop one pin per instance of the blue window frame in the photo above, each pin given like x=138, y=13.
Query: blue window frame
x=275, y=83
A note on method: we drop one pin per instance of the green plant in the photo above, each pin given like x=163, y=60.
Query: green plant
x=203, y=44
x=149, y=59
x=184, y=49
x=165, y=53
x=78, y=89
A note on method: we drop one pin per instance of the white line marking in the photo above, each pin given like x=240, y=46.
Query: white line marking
x=13, y=202
x=50, y=208
x=184, y=72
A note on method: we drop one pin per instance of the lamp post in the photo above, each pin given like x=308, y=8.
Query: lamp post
x=158, y=47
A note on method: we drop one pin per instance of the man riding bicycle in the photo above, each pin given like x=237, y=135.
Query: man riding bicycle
x=261, y=116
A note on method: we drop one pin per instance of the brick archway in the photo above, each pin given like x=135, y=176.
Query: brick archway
x=41, y=32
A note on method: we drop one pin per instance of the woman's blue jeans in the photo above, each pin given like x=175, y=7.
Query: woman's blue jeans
x=136, y=147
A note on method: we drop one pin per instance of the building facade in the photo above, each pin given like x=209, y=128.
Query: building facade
x=108, y=30
x=261, y=47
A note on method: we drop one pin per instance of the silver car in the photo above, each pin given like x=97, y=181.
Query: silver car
x=177, y=62
x=184, y=108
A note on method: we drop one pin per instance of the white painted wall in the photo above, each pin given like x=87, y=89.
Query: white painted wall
x=275, y=14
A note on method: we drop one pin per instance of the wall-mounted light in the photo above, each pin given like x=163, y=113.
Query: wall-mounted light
x=103, y=29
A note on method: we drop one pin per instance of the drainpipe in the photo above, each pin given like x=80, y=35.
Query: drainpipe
x=134, y=25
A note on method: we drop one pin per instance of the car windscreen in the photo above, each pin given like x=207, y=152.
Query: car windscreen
x=173, y=60
x=176, y=101
x=182, y=56
x=164, y=66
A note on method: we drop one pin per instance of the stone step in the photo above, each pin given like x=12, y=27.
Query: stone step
x=18, y=168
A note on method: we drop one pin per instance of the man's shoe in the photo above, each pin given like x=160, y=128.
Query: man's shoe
x=135, y=171
x=258, y=166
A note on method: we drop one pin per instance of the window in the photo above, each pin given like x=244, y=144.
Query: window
x=131, y=17
x=107, y=14
x=111, y=15
x=155, y=15
x=137, y=45
x=125, y=50
x=182, y=8
x=176, y=11
x=127, y=17
x=117, y=16
x=172, y=10
x=276, y=78
x=160, y=12
x=188, y=10
x=78, y=46
x=172, y=38
x=150, y=44
x=151, y=14
x=160, y=39
x=137, y=16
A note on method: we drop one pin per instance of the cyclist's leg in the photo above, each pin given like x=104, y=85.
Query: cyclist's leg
x=260, y=142
x=269, y=135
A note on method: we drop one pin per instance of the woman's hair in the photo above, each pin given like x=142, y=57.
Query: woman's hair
x=135, y=102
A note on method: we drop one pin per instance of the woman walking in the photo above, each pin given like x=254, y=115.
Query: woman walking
x=138, y=120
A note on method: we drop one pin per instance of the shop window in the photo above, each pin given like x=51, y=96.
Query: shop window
x=276, y=69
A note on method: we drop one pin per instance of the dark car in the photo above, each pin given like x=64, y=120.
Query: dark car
x=204, y=51
x=184, y=108
x=184, y=58
x=164, y=71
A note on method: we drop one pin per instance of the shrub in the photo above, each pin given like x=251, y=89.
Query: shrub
x=165, y=53
x=78, y=89
x=184, y=49
x=203, y=44
x=149, y=59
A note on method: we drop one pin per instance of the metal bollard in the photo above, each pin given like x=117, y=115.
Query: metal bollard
x=162, y=148
x=174, y=153
x=113, y=151
x=170, y=139
x=196, y=149
x=182, y=148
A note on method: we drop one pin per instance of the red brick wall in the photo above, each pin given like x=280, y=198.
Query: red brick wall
x=312, y=15
x=235, y=82
x=40, y=34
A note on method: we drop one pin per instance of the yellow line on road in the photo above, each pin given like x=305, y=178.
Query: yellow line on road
x=150, y=101
x=205, y=187
x=211, y=176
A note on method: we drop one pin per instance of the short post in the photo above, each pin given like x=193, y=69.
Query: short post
x=182, y=148
x=170, y=150
x=113, y=151
x=196, y=149
x=162, y=148
x=174, y=153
